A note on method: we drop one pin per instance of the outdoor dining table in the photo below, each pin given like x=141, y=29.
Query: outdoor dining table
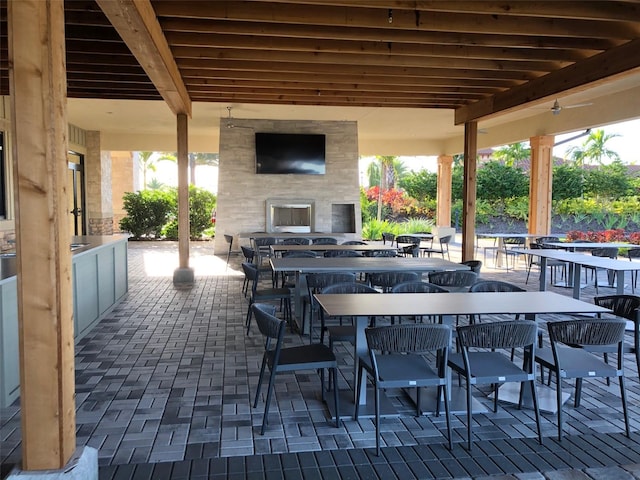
x=364, y=306
x=576, y=261
x=304, y=265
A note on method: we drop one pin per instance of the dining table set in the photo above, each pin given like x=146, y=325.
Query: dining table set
x=447, y=308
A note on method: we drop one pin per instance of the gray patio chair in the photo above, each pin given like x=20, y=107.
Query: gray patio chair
x=454, y=280
x=631, y=254
x=354, y=242
x=283, y=295
x=512, y=247
x=316, y=282
x=396, y=359
x=387, y=280
x=607, y=252
x=569, y=357
x=417, y=287
x=342, y=253
x=289, y=359
x=388, y=237
x=444, y=247
x=627, y=307
x=474, y=265
x=324, y=241
x=482, y=361
x=408, y=246
x=295, y=241
x=229, y=240
x=492, y=286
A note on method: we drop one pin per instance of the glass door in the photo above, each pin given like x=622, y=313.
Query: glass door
x=77, y=194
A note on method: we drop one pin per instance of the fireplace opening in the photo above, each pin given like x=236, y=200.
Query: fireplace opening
x=291, y=216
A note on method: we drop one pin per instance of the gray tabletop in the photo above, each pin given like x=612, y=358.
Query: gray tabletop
x=480, y=303
x=326, y=248
x=364, y=264
x=573, y=245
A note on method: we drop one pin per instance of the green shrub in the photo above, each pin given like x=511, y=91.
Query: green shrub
x=568, y=182
x=147, y=212
x=201, y=203
x=496, y=181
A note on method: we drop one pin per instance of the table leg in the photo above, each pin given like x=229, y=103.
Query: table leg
x=576, y=279
x=619, y=282
x=360, y=348
x=543, y=273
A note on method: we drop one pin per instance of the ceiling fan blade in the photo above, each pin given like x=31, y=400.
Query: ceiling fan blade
x=576, y=105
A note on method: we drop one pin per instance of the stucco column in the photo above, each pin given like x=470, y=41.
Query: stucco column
x=540, y=184
x=443, y=214
x=97, y=169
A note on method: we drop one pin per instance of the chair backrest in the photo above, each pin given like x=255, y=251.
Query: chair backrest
x=383, y=253
x=295, y=241
x=610, y=252
x=248, y=253
x=474, y=265
x=417, y=287
x=386, y=280
x=587, y=332
x=633, y=253
x=494, y=286
x=513, y=241
x=454, y=278
x=350, y=287
x=543, y=240
x=445, y=240
x=500, y=335
x=300, y=254
x=318, y=281
x=354, y=242
x=414, y=338
x=388, y=237
x=342, y=253
x=264, y=241
x=251, y=272
x=407, y=239
x=324, y=241
x=626, y=306
x=269, y=325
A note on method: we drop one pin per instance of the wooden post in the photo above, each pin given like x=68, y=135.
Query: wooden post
x=183, y=275
x=469, y=190
x=443, y=216
x=45, y=305
x=540, y=184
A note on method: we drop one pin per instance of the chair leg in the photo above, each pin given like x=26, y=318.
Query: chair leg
x=248, y=321
x=447, y=413
x=469, y=414
x=377, y=407
x=536, y=408
x=264, y=364
x=418, y=401
x=265, y=418
x=336, y=396
x=625, y=412
x=559, y=400
x=356, y=410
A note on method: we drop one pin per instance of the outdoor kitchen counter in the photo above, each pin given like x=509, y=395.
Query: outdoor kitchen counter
x=99, y=281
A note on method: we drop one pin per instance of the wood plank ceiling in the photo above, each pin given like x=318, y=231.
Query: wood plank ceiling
x=476, y=57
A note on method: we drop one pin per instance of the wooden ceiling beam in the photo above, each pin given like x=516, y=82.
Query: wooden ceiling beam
x=618, y=61
x=212, y=54
x=315, y=68
x=254, y=42
x=194, y=83
x=590, y=10
x=191, y=74
x=136, y=22
x=289, y=30
x=358, y=16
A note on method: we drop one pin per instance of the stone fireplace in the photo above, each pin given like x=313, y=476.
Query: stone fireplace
x=290, y=215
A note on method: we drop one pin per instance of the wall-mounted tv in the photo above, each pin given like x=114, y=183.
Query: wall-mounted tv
x=301, y=153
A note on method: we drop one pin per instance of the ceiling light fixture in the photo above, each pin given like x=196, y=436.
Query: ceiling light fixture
x=390, y=16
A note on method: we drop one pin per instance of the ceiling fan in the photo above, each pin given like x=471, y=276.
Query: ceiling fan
x=557, y=108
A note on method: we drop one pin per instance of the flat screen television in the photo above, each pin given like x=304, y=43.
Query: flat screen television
x=301, y=153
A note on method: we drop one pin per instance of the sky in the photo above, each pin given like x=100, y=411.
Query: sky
x=626, y=145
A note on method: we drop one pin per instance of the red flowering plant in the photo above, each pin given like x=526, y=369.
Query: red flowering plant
x=611, y=235
x=399, y=202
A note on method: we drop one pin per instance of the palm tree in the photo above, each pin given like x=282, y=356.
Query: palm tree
x=594, y=149
x=195, y=159
x=155, y=184
x=147, y=162
x=512, y=155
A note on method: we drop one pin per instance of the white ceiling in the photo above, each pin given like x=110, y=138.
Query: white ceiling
x=150, y=125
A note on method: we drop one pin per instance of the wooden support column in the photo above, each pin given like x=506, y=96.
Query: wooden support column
x=540, y=184
x=443, y=215
x=469, y=190
x=183, y=276
x=38, y=90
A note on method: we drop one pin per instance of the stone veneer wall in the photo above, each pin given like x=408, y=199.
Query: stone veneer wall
x=242, y=194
